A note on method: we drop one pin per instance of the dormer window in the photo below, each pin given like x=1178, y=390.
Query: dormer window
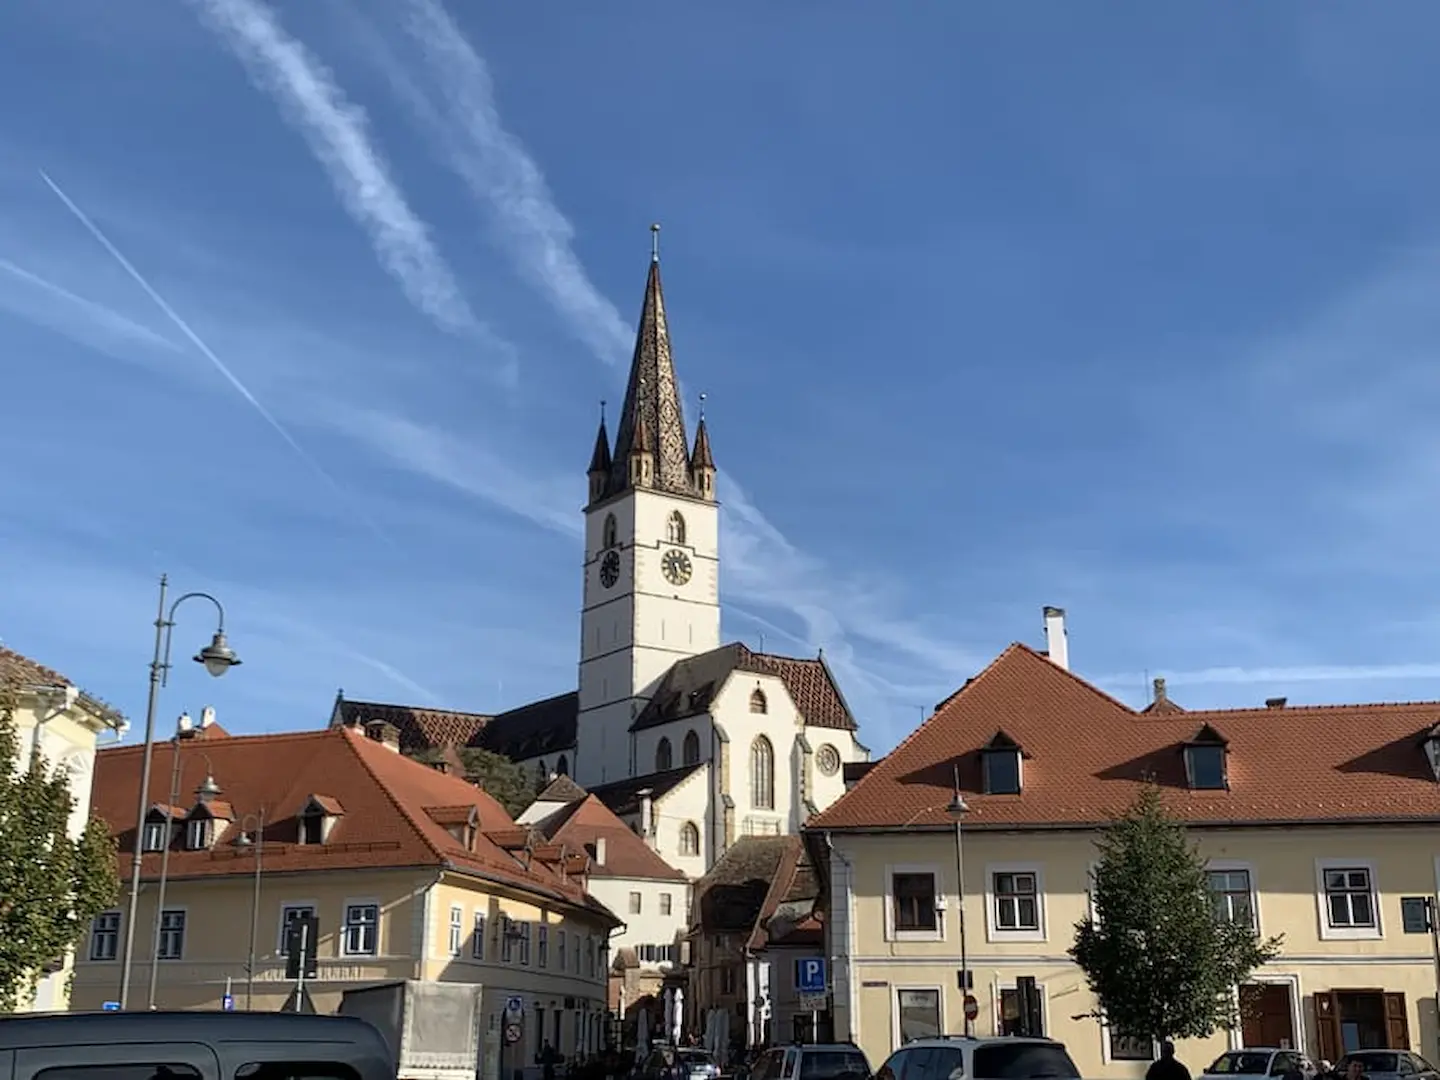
x=157, y=835
x=1431, y=745
x=312, y=828
x=1205, y=761
x=1001, y=761
x=199, y=833
x=317, y=817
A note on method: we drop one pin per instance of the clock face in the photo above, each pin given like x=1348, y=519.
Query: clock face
x=610, y=569
x=676, y=565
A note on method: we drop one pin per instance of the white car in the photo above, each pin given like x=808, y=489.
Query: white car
x=956, y=1057
x=1258, y=1061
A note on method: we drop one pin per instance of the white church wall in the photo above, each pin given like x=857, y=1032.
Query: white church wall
x=648, y=740
x=687, y=803
x=780, y=724
x=826, y=787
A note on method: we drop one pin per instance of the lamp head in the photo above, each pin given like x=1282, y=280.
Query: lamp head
x=217, y=657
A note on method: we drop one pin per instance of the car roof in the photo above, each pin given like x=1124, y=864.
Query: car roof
x=982, y=1040
x=40, y=1029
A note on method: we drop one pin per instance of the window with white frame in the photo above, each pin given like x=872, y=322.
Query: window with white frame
x=635, y=903
x=560, y=949
x=919, y=1014
x=361, y=933
x=198, y=833
x=477, y=937
x=689, y=839
x=157, y=835
x=762, y=774
x=1230, y=895
x=1125, y=1047
x=507, y=939
x=525, y=930
x=1017, y=901
x=542, y=946
x=912, y=898
x=457, y=928
x=288, y=914
x=172, y=935
x=105, y=936
x=1349, y=898
x=665, y=903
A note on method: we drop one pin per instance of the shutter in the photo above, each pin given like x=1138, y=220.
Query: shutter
x=1397, y=1023
x=1327, y=1026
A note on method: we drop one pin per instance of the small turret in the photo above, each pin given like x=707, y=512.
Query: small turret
x=641, y=463
x=599, y=471
x=702, y=463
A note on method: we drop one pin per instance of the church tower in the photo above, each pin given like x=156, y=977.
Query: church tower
x=652, y=570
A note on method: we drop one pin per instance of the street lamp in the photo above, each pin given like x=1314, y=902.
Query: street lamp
x=217, y=658
x=253, y=839
x=957, y=810
x=184, y=730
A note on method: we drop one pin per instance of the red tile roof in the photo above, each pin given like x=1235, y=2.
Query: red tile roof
x=587, y=820
x=15, y=667
x=384, y=795
x=1086, y=755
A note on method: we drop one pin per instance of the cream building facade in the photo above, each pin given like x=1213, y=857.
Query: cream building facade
x=1318, y=824
x=62, y=723
x=728, y=741
x=411, y=874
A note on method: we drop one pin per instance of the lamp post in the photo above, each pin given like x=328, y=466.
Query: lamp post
x=255, y=842
x=957, y=810
x=218, y=658
x=184, y=730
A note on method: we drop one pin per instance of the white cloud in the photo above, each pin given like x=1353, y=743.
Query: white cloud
x=337, y=131
x=460, y=115
x=41, y=301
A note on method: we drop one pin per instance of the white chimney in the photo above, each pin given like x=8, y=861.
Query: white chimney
x=600, y=851
x=647, y=814
x=207, y=716
x=1056, y=641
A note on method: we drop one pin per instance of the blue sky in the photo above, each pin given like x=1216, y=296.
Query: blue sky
x=1129, y=309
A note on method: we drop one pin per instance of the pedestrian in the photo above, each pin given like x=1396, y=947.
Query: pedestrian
x=1355, y=1069
x=547, y=1058
x=1167, y=1066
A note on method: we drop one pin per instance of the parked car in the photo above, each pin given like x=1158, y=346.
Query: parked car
x=698, y=1064
x=1389, y=1065
x=812, y=1061
x=1005, y=1057
x=1259, y=1061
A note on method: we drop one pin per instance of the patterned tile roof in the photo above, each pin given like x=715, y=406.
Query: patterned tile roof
x=1087, y=755
x=420, y=728
x=541, y=727
x=385, y=796
x=691, y=686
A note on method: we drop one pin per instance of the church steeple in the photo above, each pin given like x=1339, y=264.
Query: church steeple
x=653, y=396
x=599, y=471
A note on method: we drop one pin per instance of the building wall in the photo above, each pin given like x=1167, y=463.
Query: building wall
x=651, y=925
x=65, y=736
x=873, y=961
x=575, y=992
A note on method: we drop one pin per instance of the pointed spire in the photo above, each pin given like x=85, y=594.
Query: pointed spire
x=652, y=410
x=600, y=459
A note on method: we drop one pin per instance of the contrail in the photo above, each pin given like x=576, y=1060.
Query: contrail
x=205, y=350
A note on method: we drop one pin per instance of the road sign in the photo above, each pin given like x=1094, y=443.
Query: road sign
x=813, y=1002
x=514, y=1008
x=512, y=1034
x=810, y=975
x=302, y=941
x=111, y=1006
x=972, y=1007
x=228, y=1003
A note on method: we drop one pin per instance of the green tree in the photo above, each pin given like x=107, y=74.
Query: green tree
x=1162, y=962
x=51, y=886
x=512, y=786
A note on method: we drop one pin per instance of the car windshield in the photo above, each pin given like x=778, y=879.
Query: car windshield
x=1024, y=1061
x=696, y=1057
x=1372, y=1061
x=1248, y=1062
x=832, y=1064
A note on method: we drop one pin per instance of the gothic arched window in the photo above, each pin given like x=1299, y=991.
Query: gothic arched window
x=675, y=528
x=562, y=767
x=690, y=751
x=758, y=703
x=611, y=532
x=664, y=759
x=689, y=839
x=762, y=774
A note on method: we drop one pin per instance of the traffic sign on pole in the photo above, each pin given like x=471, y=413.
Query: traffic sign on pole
x=972, y=1007
x=111, y=1006
x=810, y=975
x=228, y=1003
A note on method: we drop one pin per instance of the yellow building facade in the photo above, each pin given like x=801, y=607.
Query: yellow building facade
x=1318, y=825
x=408, y=873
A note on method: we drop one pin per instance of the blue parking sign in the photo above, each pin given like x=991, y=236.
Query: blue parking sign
x=111, y=1006
x=228, y=1003
x=810, y=975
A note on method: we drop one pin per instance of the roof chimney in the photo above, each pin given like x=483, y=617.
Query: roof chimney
x=1275, y=702
x=1160, y=694
x=383, y=732
x=1056, y=642
x=600, y=851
